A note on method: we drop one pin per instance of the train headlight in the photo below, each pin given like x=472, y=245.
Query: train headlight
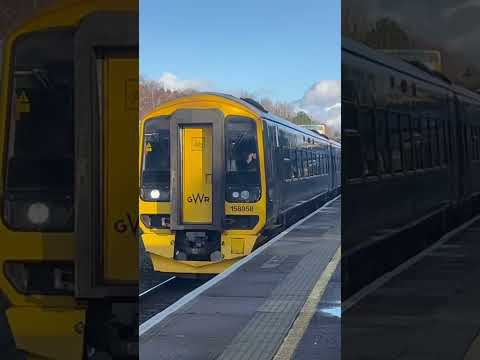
x=32, y=212
x=38, y=213
x=242, y=194
x=155, y=194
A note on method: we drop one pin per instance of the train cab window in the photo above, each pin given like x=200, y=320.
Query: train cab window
x=242, y=168
x=39, y=180
x=155, y=181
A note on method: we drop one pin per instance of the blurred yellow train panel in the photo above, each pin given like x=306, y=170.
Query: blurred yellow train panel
x=67, y=232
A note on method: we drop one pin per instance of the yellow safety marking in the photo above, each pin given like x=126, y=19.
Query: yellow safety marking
x=309, y=309
x=473, y=352
x=23, y=103
x=149, y=147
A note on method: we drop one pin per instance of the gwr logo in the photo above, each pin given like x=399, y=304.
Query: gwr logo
x=198, y=198
x=129, y=223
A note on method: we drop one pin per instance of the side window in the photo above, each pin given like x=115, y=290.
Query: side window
x=434, y=142
x=427, y=147
x=407, y=147
x=395, y=141
x=293, y=163
x=477, y=142
x=351, y=137
x=381, y=138
x=305, y=163
x=441, y=141
x=367, y=132
x=299, y=163
x=310, y=163
x=418, y=143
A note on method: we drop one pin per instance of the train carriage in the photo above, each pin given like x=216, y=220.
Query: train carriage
x=217, y=173
x=411, y=136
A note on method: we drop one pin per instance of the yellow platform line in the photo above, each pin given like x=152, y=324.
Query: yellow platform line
x=309, y=309
x=473, y=352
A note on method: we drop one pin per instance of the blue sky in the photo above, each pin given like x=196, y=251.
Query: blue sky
x=280, y=49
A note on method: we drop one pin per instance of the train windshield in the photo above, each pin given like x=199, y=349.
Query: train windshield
x=241, y=152
x=41, y=143
x=156, y=159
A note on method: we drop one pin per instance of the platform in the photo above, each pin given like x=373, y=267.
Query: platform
x=280, y=302
x=427, y=309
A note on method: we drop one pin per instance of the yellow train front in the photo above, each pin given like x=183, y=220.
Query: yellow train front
x=68, y=125
x=217, y=173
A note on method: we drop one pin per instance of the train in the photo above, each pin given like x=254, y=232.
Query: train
x=411, y=164
x=68, y=109
x=219, y=173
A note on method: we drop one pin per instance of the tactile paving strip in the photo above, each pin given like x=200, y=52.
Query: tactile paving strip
x=263, y=335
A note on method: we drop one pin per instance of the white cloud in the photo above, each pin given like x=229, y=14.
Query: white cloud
x=323, y=103
x=172, y=82
x=324, y=92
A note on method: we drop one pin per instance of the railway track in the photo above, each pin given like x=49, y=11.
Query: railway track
x=161, y=295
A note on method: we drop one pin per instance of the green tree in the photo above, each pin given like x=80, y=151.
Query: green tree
x=301, y=118
x=388, y=34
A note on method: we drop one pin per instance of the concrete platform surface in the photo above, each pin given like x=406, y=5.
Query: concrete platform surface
x=429, y=311
x=248, y=314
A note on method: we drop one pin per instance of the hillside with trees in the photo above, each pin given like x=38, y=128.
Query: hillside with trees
x=386, y=33
x=152, y=93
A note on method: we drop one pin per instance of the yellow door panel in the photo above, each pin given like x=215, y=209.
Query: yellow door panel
x=120, y=181
x=197, y=175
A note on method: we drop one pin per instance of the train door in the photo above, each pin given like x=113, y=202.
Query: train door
x=274, y=172
x=197, y=169
x=461, y=148
x=196, y=179
x=106, y=129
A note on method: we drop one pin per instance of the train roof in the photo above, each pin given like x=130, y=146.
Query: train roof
x=68, y=13
x=467, y=93
x=263, y=113
x=260, y=111
x=394, y=63
x=397, y=64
